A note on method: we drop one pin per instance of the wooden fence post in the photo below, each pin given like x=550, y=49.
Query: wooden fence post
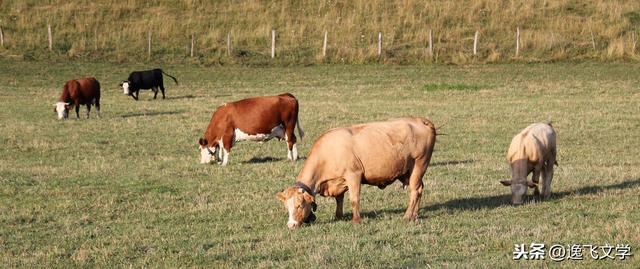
x=95, y=43
x=149, y=45
x=475, y=43
x=324, y=44
x=517, y=41
x=50, y=37
x=193, y=43
x=229, y=44
x=379, y=44
x=273, y=44
x=431, y=42
x=1, y=37
x=633, y=40
x=593, y=41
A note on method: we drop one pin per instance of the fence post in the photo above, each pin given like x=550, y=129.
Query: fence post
x=50, y=37
x=379, y=44
x=1, y=37
x=517, y=41
x=633, y=40
x=149, y=45
x=95, y=43
x=475, y=43
x=273, y=44
x=229, y=44
x=593, y=41
x=324, y=44
x=431, y=42
x=193, y=42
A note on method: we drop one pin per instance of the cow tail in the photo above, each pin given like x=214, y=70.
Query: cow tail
x=300, y=131
x=174, y=79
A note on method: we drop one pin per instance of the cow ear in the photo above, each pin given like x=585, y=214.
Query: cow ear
x=202, y=142
x=308, y=197
x=506, y=182
x=281, y=196
x=531, y=184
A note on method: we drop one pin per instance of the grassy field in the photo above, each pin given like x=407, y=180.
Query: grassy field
x=127, y=189
x=117, y=31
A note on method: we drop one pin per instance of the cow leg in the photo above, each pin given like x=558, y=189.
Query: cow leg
x=535, y=179
x=88, y=110
x=227, y=142
x=98, y=108
x=155, y=92
x=416, y=187
x=353, y=183
x=339, y=206
x=162, y=90
x=290, y=137
x=77, y=110
x=133, y=94
x=548, y=177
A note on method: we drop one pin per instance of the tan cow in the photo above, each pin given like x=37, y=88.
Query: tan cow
x=375, y=153
x=532, y=150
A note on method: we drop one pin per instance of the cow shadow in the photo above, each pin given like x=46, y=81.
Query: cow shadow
x=190, y=96
x=266, y=159
x=269, y=159
x=492, y=202
x=153, y=113
x=452, y=162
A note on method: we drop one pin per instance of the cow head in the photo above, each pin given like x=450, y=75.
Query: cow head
x=206, y=154
x=518, y=189
x=300, y=204
x=62, y=109
x=125, y=86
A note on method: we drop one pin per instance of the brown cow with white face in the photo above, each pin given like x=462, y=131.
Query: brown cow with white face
x=376, y=153
x=532, y=150
x=254, y=119
x=78, y=92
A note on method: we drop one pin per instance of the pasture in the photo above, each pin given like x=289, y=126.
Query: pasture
x=127, y=189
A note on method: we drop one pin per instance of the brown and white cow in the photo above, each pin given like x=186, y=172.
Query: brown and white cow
x=376, y=153
x=532, y=150
x=78, y=92
x=253, y=119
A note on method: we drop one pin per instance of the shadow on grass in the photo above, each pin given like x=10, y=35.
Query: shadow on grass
x=454, y=162
x=263, y=159
x=190, y=96
x=491, y=202
x=269, y=159
x=155, y=113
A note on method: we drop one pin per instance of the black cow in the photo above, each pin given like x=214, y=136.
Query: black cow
x=144, y=80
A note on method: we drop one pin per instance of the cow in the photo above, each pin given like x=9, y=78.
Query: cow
x=144, y=80
x=532, y=150
x=78, y=92
x=254, y=119
x=377, y=153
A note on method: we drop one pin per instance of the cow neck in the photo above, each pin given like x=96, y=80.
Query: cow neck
x=65, y=97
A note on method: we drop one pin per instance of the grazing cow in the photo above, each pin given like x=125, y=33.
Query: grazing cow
x=255, y=119
x=532, y=150
x=144, y=80
x=78, y=92
x=377, y=153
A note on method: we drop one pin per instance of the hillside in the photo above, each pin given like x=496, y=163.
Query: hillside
x=116, y=31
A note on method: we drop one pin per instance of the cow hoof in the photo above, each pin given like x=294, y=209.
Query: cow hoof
x=355, y=221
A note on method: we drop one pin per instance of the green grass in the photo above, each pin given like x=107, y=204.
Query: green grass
x=116, y=31
x=127, y=189
x=451, y=86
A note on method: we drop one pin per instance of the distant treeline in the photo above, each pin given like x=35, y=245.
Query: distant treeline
x=358, y=31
